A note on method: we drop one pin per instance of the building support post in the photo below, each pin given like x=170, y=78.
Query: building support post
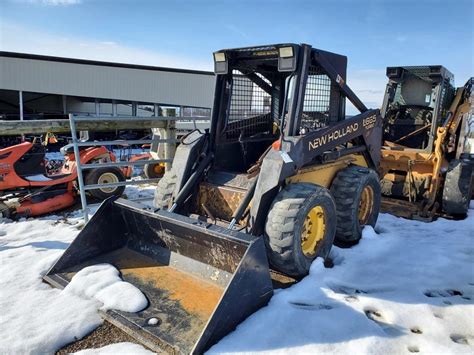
x=114, y=108
x=20, y=99
x=97, y=107
x=64, y=105
x=134, y=108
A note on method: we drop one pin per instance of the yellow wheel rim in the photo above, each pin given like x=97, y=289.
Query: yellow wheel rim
x=313, y=231
x=366, y=205
x=159, y=168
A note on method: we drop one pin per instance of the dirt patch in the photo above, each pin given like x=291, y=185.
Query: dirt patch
x=105, y=334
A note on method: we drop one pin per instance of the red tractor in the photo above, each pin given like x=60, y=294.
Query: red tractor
x=27, y=189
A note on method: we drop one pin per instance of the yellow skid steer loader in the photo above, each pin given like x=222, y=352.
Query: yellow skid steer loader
x=278, y=177
x=425, y=167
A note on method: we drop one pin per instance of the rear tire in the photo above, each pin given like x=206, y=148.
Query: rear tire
x=356, y=192
x=164, y=190
x=154, y=171
x=457, y=188
x=103, y=176
x=291, y=246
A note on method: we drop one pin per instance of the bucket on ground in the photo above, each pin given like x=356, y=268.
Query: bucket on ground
x=201, y=280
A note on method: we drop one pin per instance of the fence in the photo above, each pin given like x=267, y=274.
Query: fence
x=167, y=137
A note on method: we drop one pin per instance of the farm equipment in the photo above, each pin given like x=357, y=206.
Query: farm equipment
x=278, y=177
x=27, y=189
x=424, y=168
x=156, y=152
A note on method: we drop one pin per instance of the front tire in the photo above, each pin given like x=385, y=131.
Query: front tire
x=104, y=176
x=356, y=191
x=300, y=227
x=164, y=190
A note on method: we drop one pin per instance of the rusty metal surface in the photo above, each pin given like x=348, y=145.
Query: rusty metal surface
x=221, y=201
x=181, y=302
x=200, y=280
x=405, y=209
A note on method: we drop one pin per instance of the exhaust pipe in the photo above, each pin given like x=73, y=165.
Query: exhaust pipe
x=201, y=280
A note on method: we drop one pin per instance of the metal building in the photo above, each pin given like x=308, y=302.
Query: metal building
x=37, y=86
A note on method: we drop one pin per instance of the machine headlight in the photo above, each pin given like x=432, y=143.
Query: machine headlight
x=286, y=59
x=219, y=57
x=220, y=63
x=285, y=52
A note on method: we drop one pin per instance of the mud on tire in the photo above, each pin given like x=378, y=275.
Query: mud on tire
x=284, y=226
x=164, y=190
x=457, y=188
x=350, y=186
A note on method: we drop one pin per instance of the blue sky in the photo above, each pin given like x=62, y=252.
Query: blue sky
x=373, y=34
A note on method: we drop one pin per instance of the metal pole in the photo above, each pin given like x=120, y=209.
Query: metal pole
x=80, y=178
x=97, y=107
x=20, y=98
x=114, y=108
x=64, y=105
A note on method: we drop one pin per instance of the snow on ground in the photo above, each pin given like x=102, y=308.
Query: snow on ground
x=406, y=287
x=114, y=349
x=103, y=282
x=37, y=318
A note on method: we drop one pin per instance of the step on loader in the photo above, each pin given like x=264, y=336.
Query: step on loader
x=278, y=177
x=425, y=166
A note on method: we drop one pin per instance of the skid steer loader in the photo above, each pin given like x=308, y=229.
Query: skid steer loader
x=424, y=167
x=278, y=176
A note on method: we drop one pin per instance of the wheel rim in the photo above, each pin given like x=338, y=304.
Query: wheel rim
x=366, y=205
x=107, y=178
x=159, y=169
x=313, y=231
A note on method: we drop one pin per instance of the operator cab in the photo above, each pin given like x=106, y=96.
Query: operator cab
x=267, y=90
x=416, y=101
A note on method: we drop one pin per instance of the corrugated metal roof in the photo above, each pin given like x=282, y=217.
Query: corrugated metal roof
x=77, y=77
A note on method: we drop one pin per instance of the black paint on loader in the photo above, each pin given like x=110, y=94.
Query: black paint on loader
x=201, y=280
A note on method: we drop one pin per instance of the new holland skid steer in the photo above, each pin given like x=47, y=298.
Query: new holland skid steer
x=280, y=174
x=424, y=166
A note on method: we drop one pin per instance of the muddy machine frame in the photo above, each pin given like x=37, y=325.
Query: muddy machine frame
x=202, y=256
x=424, y=169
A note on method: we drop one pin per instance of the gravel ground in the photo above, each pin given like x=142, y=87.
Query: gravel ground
x=104, y=335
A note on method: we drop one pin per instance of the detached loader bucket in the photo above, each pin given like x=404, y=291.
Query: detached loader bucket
x=201, y=280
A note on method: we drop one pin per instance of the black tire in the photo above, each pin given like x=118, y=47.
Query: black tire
x=164, y=190
x=103, y=176
x=151, y=172
x=284, y=227
x=457, y=188
x=348, y=188
x=4, y=211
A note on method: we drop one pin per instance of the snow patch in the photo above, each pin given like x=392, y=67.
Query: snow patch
x=103, y=282
x=407, y=287
x=114, y=349
x=36, y=318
